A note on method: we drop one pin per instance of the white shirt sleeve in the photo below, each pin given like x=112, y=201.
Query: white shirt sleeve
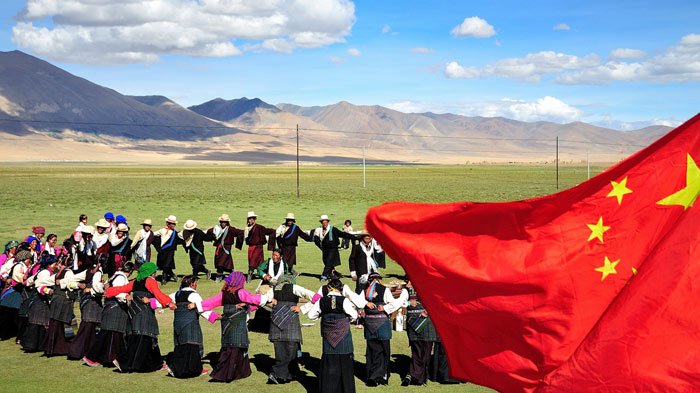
x=358, y=300
x=195, y=298
x=350, y=310
x=391, y=303
x=44, y=279
x=98, y=287
x=315, y=311
x=117, y=282
x=303, y=292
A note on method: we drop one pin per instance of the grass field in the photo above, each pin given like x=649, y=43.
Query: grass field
x=54, y=195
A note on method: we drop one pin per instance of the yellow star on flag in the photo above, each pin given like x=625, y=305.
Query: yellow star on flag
x=686, y=196
x=619, y=190
x=607, y=268
x=597, y=230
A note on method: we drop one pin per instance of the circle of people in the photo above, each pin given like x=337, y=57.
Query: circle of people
x=41, y=281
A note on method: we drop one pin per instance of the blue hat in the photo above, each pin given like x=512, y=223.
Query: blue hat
x=109, y=216
x=121, y=219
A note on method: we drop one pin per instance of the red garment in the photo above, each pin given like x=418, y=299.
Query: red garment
x=151, y=285
x=590, y=289
x=255, y=256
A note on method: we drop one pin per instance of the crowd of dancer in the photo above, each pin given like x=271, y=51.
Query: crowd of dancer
x=41, y=281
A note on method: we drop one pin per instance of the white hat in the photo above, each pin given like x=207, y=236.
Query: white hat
x=190, y=225
x=252, y=214
x=224, y=218
x=324, y=217
x=122, y=228
x=87, y=229
x=102, y=223
x=172, y=219
x=147, y=222
x=290, y=216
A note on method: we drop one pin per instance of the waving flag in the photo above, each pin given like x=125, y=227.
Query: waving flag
x=595, y=288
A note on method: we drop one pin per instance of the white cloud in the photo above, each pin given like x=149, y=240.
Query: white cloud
x=336, y=59
x=104, y=31
x=422, y=50
x=530, y=68
x=543, y=109
x=474, y=27
x=626, y=53
x=561, y=26
x=609, y=122
x=354, y=52
x=679, y=63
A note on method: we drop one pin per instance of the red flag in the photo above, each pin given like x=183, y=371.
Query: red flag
x=592, y=288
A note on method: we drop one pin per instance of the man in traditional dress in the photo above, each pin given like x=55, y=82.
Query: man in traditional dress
x=120, y=249
x=166, y=245
x=223, y=236
x=363, y=260
x=193, y=242
x=287, y=236
x=254, y=236
x=101, y=239
x=273, y=268
x=327, y=239
x=336, y=373
x=141, y=246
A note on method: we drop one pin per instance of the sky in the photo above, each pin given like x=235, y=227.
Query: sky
x=619, y=64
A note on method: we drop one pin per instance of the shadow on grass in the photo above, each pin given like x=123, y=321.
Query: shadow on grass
x=399, y=364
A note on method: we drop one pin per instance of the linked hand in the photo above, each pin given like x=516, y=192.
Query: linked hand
x=172, y=306
x=380, y=308
x=295, y=308
x=191, y=306
x=240, y=306
x=371, y=306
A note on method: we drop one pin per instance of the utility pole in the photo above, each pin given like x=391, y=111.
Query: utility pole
x=588, y=163
x=557, y=162
x=297, y=160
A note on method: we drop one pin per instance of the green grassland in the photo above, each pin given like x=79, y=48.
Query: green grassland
x=54, y=195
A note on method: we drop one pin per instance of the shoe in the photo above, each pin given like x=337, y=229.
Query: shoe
x=249, y=278
x=406, y=381
x=115, y=362
x=385, y=380
x=323, y=278
x=170, y=372
x=204, y=371
x=90, y=362
x=218, y=277
x=371, y=383
x=272, y=380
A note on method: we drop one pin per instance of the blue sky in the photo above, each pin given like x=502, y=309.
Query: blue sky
x=622, y=64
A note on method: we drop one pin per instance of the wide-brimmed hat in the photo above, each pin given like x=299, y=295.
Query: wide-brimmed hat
x=362, y=234
x=225, y=218
x=324, y=217
x=374, y=276
x=87, y=229
x=251, y=214
x=171, y=219
x=290, y=216
x=122, y=227
x=147, y=222
x=102, y=223
x=190, y=225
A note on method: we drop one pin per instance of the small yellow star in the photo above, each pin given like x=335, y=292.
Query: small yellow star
x=607, y=268
x=619, y=190
x=597, y=230
x=687, y=196
x=634, y=270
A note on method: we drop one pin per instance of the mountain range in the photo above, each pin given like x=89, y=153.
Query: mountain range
x=76, y=119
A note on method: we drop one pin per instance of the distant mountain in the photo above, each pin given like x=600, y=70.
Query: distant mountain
x=36, y=95
x=230, y=110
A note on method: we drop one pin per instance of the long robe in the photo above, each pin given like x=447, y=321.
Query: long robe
x=223, y=260
x=288, y=239
x=255, y=239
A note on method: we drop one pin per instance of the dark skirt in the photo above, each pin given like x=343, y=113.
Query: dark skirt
x=185, y=361
x=233, y=364
x=420, y=361
x=378, y=355
x=22, y=323
x=56, y=342
x=34, y=338
x=107, y=347
x=83, y=340
x=8, y=322
x=337, y=374
x=142, y=354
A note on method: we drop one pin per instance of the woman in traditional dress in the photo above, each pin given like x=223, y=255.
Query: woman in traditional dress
x=336, y=373
x=186, y=359
x=109, y=344
x=119, y=249
x=65, y=293
x=91, y=290
x=378, y=330
x=12, y=296
x=238, y=303
x=7, y=260
x=42, y=284
x=143, y=353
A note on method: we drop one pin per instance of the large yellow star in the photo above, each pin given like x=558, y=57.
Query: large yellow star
x=597, y=230
x=619, y=190
x=607, y=268
x=686, y=196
